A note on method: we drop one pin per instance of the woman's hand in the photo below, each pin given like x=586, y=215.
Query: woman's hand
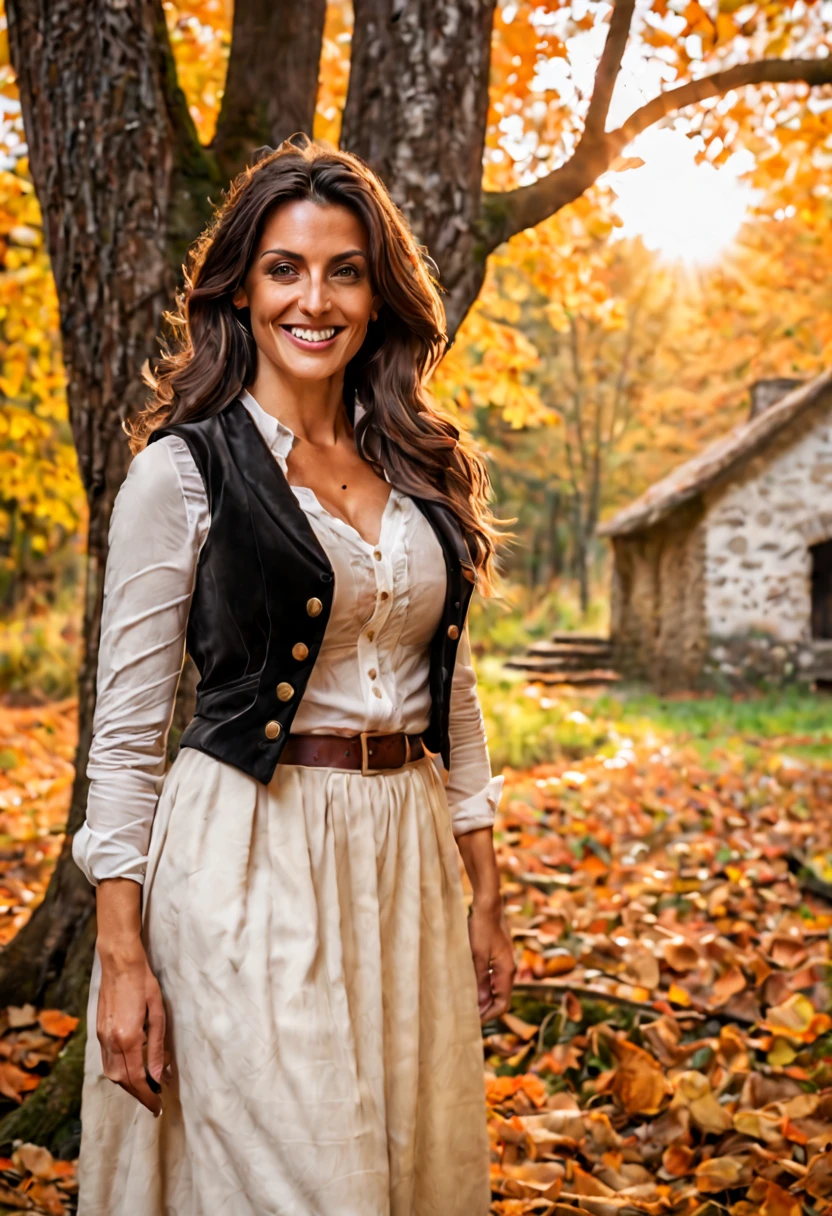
x=131, y=1014
x=493, y=959
x=487, y=929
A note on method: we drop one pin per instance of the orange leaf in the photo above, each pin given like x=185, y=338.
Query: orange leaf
x=678, y=995
x=14, y=1082
x=677, y=1160
x=639, y=1083
x=56, y=1023
x=779, y=1202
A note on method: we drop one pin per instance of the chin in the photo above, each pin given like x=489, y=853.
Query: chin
x=319, y=371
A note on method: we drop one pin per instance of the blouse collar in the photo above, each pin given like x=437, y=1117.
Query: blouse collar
x=279, y=437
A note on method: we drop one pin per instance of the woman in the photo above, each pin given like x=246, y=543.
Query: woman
x=287, y=925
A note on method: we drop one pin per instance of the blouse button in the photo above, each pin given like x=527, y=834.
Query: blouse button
x=377, y=555
x=372, y=673
x=285, y=692
x=314, y=607
x=385, y=595
x=370, y=635
x=300, y=651
x=453, y=632
x=377, y=692
x=272, y=730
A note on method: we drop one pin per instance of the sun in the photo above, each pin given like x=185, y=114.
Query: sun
x=687, y=212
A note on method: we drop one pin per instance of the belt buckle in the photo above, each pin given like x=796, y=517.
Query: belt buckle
x=366, y=771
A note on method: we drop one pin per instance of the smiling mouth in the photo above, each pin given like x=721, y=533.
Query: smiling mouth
x=307, y=336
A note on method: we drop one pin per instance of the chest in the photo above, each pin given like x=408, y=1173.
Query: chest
x=345, y=485
x=395, y=589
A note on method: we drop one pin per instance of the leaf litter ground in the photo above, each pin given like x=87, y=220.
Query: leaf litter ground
x=669, y=1048
x=670, y=1045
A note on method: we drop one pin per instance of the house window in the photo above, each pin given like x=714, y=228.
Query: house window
x=822, y=589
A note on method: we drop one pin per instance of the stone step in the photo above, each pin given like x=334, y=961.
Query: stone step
x=581, y=639
x=534, y=662
x=594, y=676
x=571, y=651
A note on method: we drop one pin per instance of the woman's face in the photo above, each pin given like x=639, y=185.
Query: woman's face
x=308, y=289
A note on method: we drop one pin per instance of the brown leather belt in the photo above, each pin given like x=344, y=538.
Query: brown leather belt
x=366, y=753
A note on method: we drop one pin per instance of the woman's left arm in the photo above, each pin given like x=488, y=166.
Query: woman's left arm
x=473, y=795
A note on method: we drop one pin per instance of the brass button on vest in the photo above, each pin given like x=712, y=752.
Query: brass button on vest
x=453, y=632
x=272, y=730
x=285, y=692
x=300, y=651
x=314, y=607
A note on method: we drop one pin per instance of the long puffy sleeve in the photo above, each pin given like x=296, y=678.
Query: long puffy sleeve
x=157, y=525
x=473, y=794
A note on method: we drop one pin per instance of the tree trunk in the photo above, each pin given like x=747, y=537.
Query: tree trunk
x=272, y=81
x=101, y=153
x=416, y=113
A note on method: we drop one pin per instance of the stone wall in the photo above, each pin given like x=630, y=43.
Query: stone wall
x=657, y=610
x=746, y=662
x=757, y=534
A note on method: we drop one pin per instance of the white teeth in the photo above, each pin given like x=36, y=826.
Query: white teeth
x=311, y=335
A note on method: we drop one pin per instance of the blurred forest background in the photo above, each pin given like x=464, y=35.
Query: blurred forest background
x=609, y=343
x=667, y=861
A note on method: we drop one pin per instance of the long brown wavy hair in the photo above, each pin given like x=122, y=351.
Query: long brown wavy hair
x=402, y=432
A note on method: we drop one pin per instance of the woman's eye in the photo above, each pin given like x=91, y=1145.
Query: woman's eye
x=352, y=272
x=282, y=270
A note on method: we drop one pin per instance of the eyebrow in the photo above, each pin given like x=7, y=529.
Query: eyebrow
x=298, y=257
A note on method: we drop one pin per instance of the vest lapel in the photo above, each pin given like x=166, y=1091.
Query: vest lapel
x=447, y=529
x=265, y=479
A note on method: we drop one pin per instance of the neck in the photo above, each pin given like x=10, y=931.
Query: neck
x=312, y=409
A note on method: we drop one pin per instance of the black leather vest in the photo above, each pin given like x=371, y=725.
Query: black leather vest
x=263, y=595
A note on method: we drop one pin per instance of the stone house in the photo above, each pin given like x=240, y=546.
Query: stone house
x=723, y=570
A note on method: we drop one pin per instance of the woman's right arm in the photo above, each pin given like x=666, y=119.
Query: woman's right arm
x=158, y=523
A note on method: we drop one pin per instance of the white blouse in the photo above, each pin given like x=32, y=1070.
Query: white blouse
x=371, y=672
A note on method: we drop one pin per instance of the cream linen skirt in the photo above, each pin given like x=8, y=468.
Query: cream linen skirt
x=311, y=944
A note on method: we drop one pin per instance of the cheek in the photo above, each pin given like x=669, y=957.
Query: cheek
x=355, y=302
x=268, y=299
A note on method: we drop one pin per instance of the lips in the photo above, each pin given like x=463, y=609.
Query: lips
x=309, y=337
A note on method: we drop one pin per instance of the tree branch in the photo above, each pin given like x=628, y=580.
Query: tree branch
x=609, y=65
x=272, y=82
x=503, y=214
x=765, y=71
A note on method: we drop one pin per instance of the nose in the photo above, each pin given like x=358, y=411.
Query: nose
x=315, y=301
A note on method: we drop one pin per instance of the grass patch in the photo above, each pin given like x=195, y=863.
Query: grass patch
x=531, y=724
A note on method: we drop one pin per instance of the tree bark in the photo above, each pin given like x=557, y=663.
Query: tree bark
x=416, y=113
x=123, y=185
x=272, y=82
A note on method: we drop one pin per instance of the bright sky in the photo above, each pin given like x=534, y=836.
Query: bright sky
x=688, y=212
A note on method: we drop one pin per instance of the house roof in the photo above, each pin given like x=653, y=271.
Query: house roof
x=718, y=462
